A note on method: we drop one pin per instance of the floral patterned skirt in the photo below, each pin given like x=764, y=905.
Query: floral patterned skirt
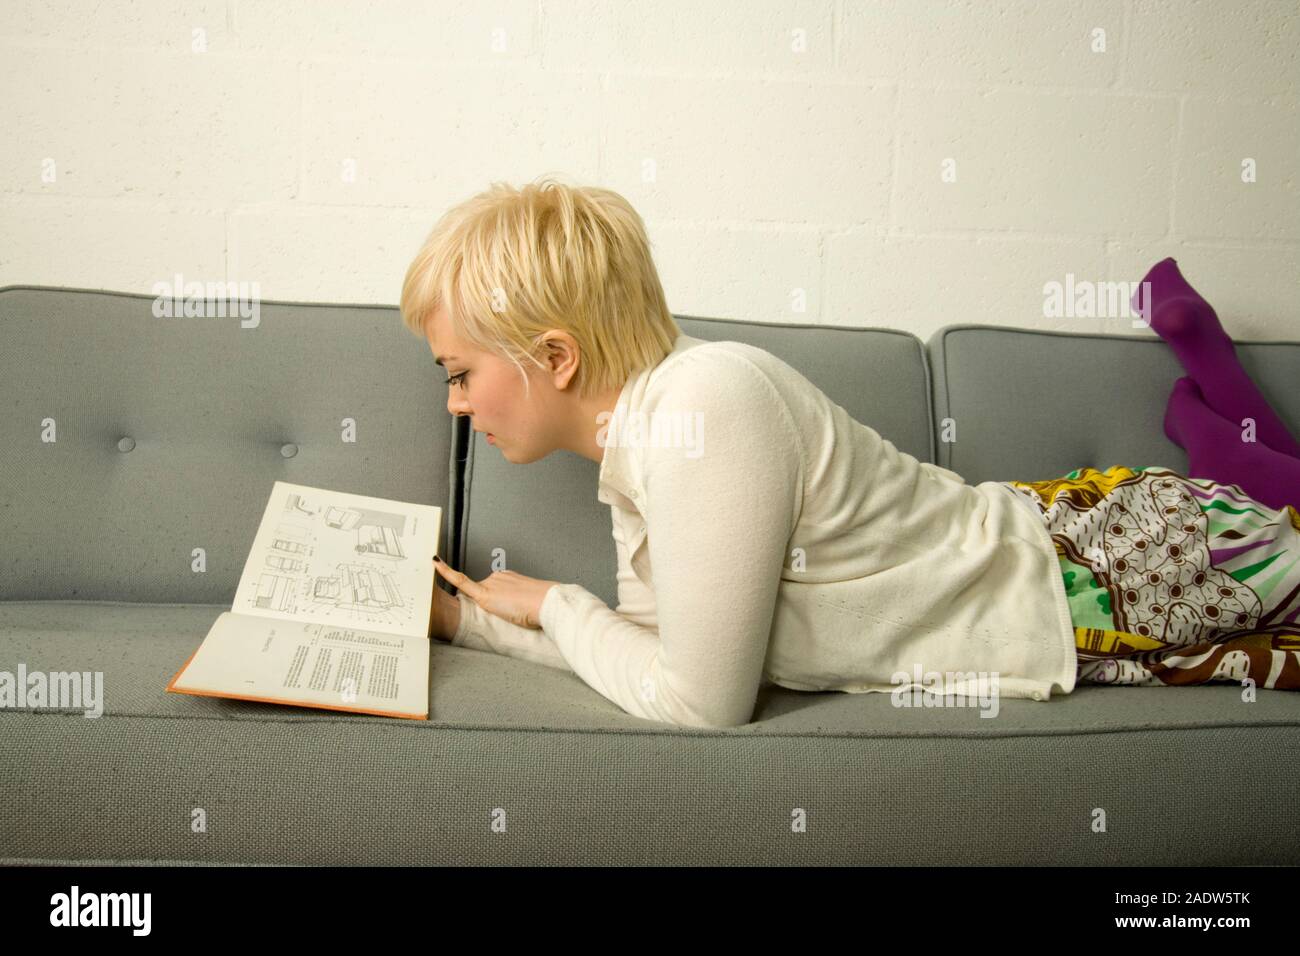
x=1174, y=580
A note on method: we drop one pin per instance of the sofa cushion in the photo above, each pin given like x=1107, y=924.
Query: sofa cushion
x=171, y=432
x=544, y=520
x=582, y=782
x=1031, y=405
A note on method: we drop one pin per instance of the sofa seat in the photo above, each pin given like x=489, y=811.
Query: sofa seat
x=1190, y=775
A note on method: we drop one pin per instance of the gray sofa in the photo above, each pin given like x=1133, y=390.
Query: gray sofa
x=170, y=433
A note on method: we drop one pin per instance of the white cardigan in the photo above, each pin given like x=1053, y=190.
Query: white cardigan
x=791, y=544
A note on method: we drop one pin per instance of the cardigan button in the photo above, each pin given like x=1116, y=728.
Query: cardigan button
x=1037, y=695
x=289, y=450
x=126, y=444
x=632, y=493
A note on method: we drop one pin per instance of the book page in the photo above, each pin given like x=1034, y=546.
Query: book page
x=330, y=557
x=313, y=665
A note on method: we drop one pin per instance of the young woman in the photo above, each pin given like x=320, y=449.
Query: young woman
x=764, y=536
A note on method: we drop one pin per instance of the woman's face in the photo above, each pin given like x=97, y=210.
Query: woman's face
x=490, y=390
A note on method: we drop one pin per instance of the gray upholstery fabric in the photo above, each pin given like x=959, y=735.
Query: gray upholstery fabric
x=1030, y=405
x=579, y=780
x=210, y=407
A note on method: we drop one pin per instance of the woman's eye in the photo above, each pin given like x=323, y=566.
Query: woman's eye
x=457, y=379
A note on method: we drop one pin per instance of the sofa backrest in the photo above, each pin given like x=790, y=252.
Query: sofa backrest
x=544, y=519
x=170, y=433
x=1031, y=405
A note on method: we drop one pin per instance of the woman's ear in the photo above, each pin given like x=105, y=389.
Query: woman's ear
x=562, y=356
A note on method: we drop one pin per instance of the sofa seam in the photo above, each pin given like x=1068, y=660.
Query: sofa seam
x=679, y=731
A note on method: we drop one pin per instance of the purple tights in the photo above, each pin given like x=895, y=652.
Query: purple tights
x=1207, y=407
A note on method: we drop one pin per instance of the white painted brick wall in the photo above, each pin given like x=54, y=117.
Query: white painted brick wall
x=786, y=154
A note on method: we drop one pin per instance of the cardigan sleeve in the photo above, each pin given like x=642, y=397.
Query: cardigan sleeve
x=718, y=524
x=485, y=631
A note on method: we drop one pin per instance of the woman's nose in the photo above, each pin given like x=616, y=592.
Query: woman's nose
x=455, y=404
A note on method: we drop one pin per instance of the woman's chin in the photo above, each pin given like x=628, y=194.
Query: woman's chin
x=517, y=456
x=496, y=443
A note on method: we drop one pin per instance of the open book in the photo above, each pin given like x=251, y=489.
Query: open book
x=332, y=610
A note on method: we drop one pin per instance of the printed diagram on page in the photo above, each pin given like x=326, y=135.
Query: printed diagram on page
x=331, y=561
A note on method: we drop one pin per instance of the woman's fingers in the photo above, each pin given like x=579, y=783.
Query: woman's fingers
x=450, y=573
x=461, y=581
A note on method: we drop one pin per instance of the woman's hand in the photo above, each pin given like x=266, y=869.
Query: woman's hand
x=507, y=594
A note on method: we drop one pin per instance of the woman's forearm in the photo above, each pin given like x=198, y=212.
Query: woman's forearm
x=446, y=615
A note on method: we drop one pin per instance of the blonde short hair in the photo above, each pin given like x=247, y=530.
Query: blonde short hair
x=509, y=264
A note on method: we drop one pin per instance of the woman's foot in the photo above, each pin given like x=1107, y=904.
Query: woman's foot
x=1181, y=317
x=1177, y=312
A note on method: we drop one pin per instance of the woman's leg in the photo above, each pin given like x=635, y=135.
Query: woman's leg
x=1185, y=320
x=1215, y=450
